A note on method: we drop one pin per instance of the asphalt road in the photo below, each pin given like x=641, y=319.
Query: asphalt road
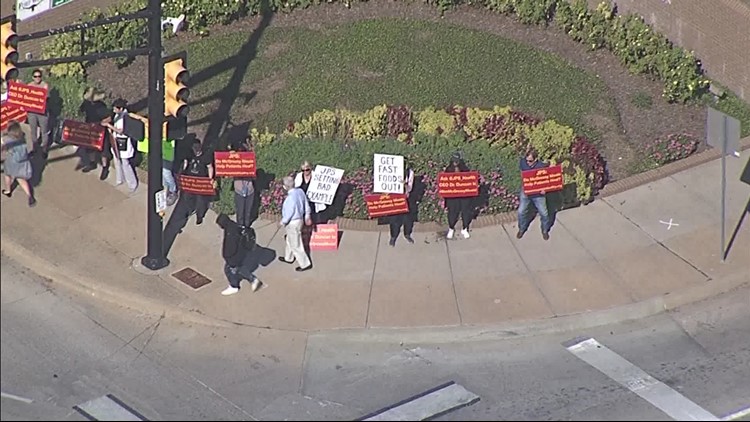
x=60, y=351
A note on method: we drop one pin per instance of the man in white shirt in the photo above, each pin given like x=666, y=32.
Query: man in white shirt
x=294, y=213
x=123, y=148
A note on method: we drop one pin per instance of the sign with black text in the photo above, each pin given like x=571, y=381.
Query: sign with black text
x=388, y=173
x=324, y=184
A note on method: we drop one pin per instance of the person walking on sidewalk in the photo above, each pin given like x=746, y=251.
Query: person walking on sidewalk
x=39, y=123
x=531, y=162
x=199, y=165
x=234, y=254
x=124, y=146
x=294, y=213
x=458, y=206
x=17, y=164
x=406, y=220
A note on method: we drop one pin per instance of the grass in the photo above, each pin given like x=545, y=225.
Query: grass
x=417, y=63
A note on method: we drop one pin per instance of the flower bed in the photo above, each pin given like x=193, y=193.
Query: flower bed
x=491, y=141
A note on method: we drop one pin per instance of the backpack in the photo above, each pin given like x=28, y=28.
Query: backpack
x=248, y=238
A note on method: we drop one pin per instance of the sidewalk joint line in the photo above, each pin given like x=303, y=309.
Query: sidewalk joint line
x=453, y=283
x=659, y=242
x=531, y=273
x=372, y=280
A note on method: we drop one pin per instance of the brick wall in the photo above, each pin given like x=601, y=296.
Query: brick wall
x=718, y=31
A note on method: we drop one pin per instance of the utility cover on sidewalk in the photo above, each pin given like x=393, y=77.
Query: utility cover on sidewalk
x=192, y=278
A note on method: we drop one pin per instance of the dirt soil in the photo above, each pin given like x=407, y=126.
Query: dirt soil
x=620, y=138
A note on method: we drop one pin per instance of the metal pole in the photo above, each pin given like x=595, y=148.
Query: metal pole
x=155, y=258
x=723, y=184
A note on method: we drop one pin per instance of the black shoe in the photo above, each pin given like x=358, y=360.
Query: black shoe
x=79, y=166
x=519, y=234
x=88, y=168
x=282, y=259
x=392, y=242
x=300, y=269
x=198, y=221
x=545, y=235
x=105, y=173
x=408, y=238
x=32, y=202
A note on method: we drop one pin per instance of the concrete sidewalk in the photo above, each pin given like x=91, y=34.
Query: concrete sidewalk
x=610, y=260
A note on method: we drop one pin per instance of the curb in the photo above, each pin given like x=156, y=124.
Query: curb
x=63, y=276
x=67, y=278
x=509, y=217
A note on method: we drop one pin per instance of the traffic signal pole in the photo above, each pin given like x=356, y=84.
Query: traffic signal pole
x=155, y=258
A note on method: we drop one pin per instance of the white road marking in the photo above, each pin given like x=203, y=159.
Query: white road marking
x=108, y=408
x=669, y=401
x=669, y=224
x=430, y=404
x=15, y=397
x=737, y=415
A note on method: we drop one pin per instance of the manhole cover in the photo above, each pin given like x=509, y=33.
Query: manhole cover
x=192, y=278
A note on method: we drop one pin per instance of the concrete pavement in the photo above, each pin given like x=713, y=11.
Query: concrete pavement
x=608, y=261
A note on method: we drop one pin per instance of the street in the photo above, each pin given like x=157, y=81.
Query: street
x=61, y=351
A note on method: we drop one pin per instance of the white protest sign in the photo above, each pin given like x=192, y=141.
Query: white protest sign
x=324, y=183
x=388, y=173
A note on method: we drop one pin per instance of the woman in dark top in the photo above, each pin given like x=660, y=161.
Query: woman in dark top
x=95, y=110
x=458, y=206
x=302, y=180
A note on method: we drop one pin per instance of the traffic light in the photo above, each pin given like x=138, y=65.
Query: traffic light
x=8, y=45
x=176, y=92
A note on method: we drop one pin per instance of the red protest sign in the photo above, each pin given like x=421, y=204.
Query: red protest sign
x=548, y=179
x=89, y=135
x=383, y=204
x=234, y=163
x=458, y=185
x=325, y=238
x=197, y=185
x=31, y=98
x=10, y=112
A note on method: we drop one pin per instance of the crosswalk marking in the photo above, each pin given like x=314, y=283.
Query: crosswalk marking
x=108, y=408
x=429, y=404
x=666, y=399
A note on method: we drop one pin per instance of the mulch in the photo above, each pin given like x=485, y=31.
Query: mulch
x=620, y=138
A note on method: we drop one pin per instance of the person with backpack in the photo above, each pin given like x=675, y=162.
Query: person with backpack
x=234, y=249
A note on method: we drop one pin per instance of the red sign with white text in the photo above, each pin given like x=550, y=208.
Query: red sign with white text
x=325, y=237
x=548, y=179
x=89, y=135
x=31, y=98
x=10, y=112
x=384, y=204
x=234, y=163
x=197, y=185
x=459, y=184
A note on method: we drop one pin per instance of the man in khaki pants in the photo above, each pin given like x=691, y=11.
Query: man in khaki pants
x=294, y=213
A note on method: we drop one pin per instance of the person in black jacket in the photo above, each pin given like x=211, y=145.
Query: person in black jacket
x=458, y=206
x=95, y=110
x=234, y=254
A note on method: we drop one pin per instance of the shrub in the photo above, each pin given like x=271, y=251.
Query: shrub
x=673, y=147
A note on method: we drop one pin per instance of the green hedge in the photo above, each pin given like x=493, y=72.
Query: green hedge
x=637, y=45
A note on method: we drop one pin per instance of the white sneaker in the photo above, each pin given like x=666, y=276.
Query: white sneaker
x=450, y=234
x=465, y=234
x=255, y=285
x=230, y=291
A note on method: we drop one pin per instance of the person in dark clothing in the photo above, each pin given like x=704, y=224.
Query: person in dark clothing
x=234, y=254
x=458, y=206
x=95, y=110
x=199, y=165
x=531, y=162
x=406, y=220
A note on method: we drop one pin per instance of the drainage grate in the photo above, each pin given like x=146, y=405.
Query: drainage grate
x=192, y=278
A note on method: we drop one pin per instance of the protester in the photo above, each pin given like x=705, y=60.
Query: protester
x=17, y=164
x=167, y=161
x=123, y=146
x=406, y=220
x=95, y=110
x=302, y=180
x=39, y=123
x=244, y=195
x=199, y=165
x=294, y=213
x=458, y=206
x=234, y=254
x=531, y=162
